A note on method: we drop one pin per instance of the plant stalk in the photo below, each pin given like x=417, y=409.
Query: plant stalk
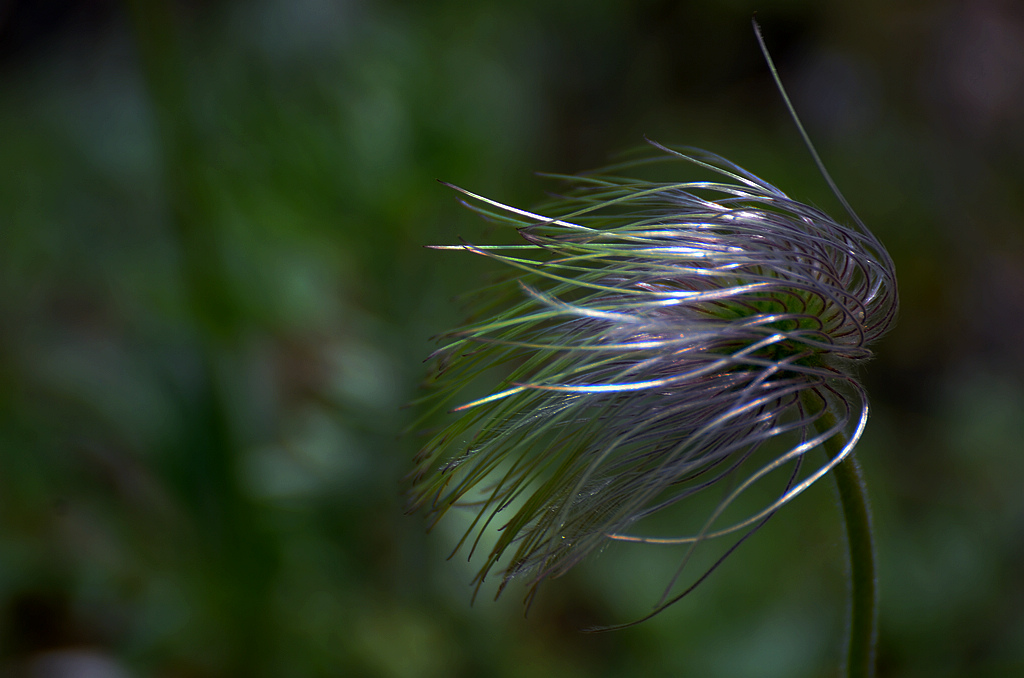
x=853, y=499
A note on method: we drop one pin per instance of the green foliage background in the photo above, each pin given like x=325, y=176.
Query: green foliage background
x=214, y=302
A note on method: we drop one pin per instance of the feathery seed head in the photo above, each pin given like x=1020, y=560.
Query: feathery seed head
x=663, y=342
x=658, y=335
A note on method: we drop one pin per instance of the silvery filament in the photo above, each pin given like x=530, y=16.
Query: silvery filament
x=656, y=344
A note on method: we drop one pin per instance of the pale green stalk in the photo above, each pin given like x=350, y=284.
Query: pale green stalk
x=853, y=499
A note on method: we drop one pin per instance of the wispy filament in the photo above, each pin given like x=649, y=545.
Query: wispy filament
x=659, y=341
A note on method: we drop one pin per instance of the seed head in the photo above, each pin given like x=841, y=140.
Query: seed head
x=659, y=343
x=657, y=335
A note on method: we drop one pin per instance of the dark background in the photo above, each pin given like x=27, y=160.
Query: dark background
x=214, y=302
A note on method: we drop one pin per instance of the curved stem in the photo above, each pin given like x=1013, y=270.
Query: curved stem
x=853, y=498
x=864, y=595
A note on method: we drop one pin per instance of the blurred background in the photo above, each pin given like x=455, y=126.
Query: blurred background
x=214, y=303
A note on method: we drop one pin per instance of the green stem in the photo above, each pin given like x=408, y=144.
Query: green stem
x=853, y=498
x=864, y=596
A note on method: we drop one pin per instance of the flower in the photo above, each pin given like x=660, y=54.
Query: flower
x=662, y=341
